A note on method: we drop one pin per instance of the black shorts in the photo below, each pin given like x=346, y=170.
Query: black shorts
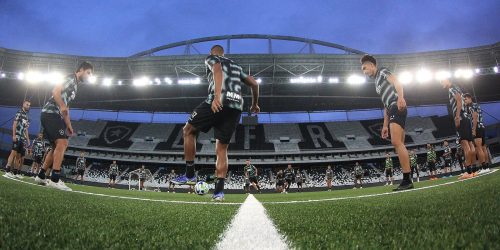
x=299, y=184
x=431, y=166
x=388, y=173
x=464, y=132
x=279, y=183
x=480, y=134
x=358, y=177
x=289, y=181
x=224, y=122
x=18, y=146
x=112, y=177
x=396, y=116
x=253, y=180
x=53, y=127
x=38, y=159
x=80, y=172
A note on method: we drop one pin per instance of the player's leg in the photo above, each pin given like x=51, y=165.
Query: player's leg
x=486, y=156
x=15, y=163
x=478, y=143
x=418, y=174
x=189, y=133
x=398, y=141
x=47, y=162
x=58, y=156
x=20, y=165
x=467, y=164
x=221, y=167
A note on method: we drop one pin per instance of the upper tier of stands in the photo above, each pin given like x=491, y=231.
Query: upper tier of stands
x=279, y=138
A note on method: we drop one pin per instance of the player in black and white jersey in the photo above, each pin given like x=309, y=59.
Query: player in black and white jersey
x=280, y=181
x=447, y=156
x=358, y=175
x=56, y=124
x=329, y=177
x=171, y=177
x=299, y=179
x=221, y=111
x=19, y=135
x=38, y=150
x=476, y=114
x=462, y=124
x=289, y=176
x=415, y=167
x=81, y=165
x=460, y=158
x=395, y=112
x=113, y=172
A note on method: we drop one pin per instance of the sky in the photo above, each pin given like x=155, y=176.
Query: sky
x=125, y=27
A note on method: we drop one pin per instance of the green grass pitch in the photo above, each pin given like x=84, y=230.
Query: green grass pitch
x=460, y=215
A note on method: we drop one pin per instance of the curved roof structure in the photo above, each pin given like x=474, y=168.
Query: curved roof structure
x=274, y=70
x=188, y=44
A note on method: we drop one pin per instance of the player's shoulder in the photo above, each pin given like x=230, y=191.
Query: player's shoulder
x=385, y=71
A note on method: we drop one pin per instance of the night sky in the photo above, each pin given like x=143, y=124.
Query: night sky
x=122, y=28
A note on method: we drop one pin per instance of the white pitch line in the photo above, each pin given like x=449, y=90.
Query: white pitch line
x=374, y=195
x=251, y=228
x=265, y=202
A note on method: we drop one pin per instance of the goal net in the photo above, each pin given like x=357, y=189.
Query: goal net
x=135, y=177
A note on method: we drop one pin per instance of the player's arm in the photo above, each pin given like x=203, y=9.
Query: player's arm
x=385, y=128
x=14, y=125
x=217, y=74
x=399, y=89
x=26, y=135
x=475, y=117
x=56, y=93
x=254, y=85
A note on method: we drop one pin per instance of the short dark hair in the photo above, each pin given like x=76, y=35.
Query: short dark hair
x=467, y=95
x=368, y=58
x=217, y=46
x=27, y=100
x=85, y=65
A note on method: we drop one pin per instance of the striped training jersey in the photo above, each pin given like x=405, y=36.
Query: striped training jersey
x=329, y=173
x=38, y=147
x=358, y=170
x=251, y=170
x=232, y=79
x=68, y=94
x=476, y=108
x=452, y=91
x=80, y=163
x=384, y=88
x=388, y=163
x=22, y=123
x=431, y=155
x=113, y=169
x=447, y=153
x=289, y=174
x=413, y=160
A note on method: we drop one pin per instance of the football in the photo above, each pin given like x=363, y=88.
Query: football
x=201, y=188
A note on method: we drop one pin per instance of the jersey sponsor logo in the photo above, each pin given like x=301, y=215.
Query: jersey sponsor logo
x=116, y=133
x=193, y=115
x=233, y=96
